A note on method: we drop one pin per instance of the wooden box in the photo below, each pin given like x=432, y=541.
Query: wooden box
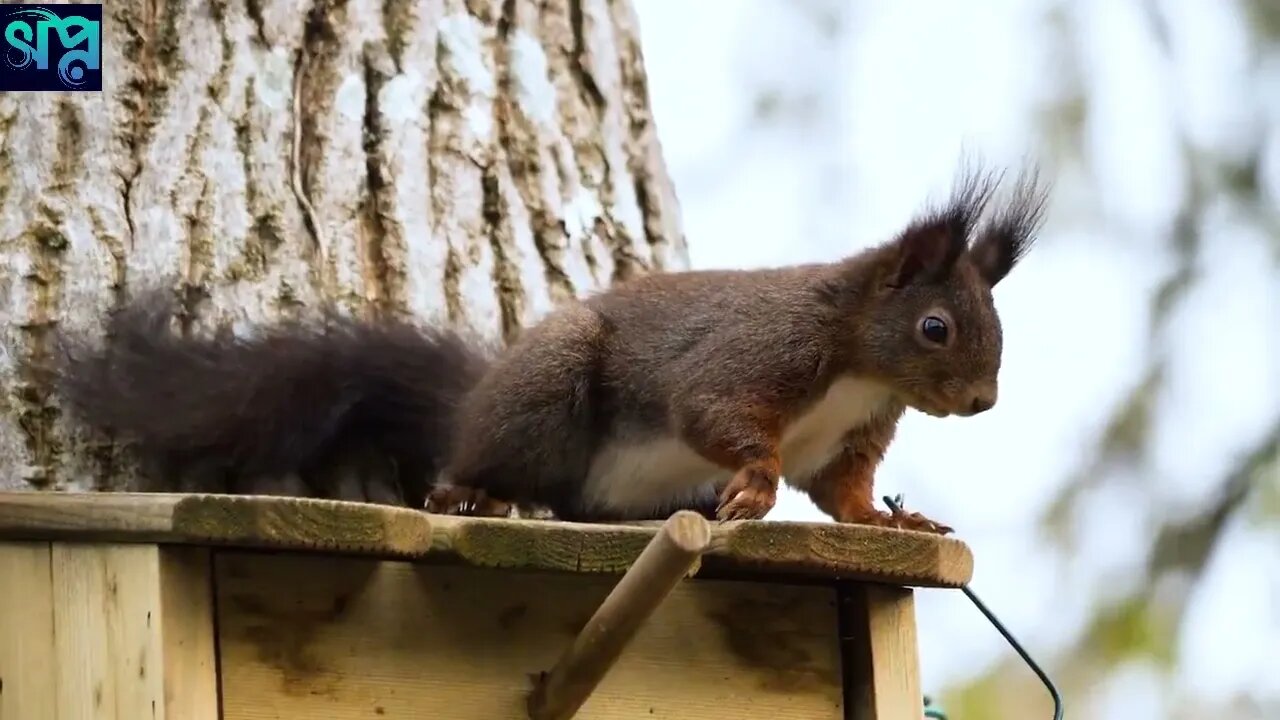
x=200, y=607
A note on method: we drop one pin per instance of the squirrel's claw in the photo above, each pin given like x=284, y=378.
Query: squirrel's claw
x=747, y=505
x=900, y=519
x=454, y=500
x=906, y=521
x=903, y=520
x=916, y=521
x=748, y=496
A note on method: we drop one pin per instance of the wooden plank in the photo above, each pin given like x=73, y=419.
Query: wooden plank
x=257, y=521
x=750, y=548
x=187, y=632
x=113, y=610
x=786, y=549
x=883, y=673
x=344, y=638
x=104, y=638
x=562, y=690
x=836, y=550
x=27, y=683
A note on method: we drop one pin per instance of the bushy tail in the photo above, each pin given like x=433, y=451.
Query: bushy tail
x=286, y=400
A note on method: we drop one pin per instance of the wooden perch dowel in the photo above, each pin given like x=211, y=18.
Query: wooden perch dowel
x=676, y=548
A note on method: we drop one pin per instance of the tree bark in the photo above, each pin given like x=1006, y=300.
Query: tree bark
x=473, y=163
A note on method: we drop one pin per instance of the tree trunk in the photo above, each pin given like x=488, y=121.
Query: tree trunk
x=467, y=162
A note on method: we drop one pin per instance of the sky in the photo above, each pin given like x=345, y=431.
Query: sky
x=792, y=138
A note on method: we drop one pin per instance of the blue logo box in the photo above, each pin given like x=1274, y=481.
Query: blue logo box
x=51, y=47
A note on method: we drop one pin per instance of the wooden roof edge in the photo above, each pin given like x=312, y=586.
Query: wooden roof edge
x=778, y=549
x=208, y=519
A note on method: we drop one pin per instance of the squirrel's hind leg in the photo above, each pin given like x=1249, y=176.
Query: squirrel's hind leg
x=526, y=432
x=457, y=500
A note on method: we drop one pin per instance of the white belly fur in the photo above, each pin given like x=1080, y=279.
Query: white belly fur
x=628, y=476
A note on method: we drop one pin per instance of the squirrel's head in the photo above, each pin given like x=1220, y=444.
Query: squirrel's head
x=931, y=329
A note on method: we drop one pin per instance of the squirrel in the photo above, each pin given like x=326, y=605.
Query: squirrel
x=681, y=390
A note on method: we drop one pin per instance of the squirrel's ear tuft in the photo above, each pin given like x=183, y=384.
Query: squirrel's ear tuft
x=930, y=246
x=1008, y=237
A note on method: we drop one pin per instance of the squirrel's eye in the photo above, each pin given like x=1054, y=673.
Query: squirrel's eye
x=934, y=330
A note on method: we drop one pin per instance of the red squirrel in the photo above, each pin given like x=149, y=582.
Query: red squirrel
x=683, y=390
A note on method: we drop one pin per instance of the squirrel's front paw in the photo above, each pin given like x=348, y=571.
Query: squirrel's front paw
x=454, y=500
x=749, y=496
x=912, y=521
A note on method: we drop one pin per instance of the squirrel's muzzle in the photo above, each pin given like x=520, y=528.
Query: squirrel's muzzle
x=981, y=400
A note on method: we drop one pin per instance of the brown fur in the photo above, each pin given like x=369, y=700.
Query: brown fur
x=722, y=361
x=844, y=487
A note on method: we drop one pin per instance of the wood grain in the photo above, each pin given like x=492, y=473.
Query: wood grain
x=739, y=549
x=257, y=521
x=187, y=634
x=346, y=638
x=847, y=551
x=678, y=545
x=27, y=684
x=884, y=674
x=745, y=548
x=133, y=633
x=106, y=636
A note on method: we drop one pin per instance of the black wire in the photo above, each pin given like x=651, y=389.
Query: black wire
x=896, y=507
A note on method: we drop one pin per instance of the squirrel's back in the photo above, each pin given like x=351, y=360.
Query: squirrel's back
x=727, y=317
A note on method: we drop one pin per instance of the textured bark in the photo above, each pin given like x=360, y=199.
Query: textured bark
x=469, y=162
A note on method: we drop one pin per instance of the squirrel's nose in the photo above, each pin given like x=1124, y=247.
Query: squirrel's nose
x=982, y=403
